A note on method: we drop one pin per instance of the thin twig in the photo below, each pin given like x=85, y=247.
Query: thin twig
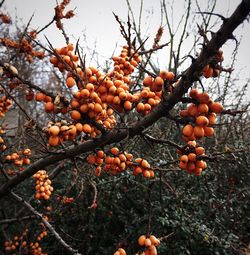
x=46, y=223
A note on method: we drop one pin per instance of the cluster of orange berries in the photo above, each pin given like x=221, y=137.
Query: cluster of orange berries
x=114, y=163
x=189, y=158
x=25, y=46
x=60, y=131
x=64, y=199
x=67, y=55
x=100, y=95
x=2, y=144
x=5, y=105
x=34, y=247
x=141, y=166
x=20, y=244
x=120, y=251
x=125, y=63
x=5, y=18
x=150, y=95
x=213, y=69
x=59, y=15
x=117, y=161
x=204, y=112
x=157, y=84
x=19, y=158
x=43, y=185
x=150, y=243
x=16, y=242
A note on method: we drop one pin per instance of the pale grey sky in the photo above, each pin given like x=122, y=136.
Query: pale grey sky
x=95, y=19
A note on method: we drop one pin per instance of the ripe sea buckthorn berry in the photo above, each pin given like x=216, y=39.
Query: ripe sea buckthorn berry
x=70, y=81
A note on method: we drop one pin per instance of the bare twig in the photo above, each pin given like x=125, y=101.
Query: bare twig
x=46, y=223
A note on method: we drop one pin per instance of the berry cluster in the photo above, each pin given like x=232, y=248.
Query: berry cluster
x=19, y=244
x=213, y=68
x=189, y=158
x=5, y=105
x=117, y=161
x=2, y=144
x=43, y=185
x=62, y=131
x=19, y=158
x=17, y=241
x=203, y=113
x=150, y=243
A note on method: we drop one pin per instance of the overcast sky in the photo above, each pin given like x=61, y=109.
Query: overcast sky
x=94, y=19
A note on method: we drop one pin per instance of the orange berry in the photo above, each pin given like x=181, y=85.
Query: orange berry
x=84, y=93
x=147, y=242
x=91, y=159
x=199, y=150
x=98, y=108
x=127, y=105
x=170, y=76
x=216, y=107
x=122, y=157
x=75, y=115
x=192, y=110
x=114, y=150
x=158, y=81
x=202, y=120
x=190, y=166
x=194, y=93
x=208, y=131
x=148, y=81
x=86, y=128
x=123, y=95
x=122, y=251
x=90, y=87
x=141, y=240
x=100, y=154
x=54, y=130
x=188, y=130
x=184, y=158
x=192, y=156
x=212, y=118
x=197, y=171
x=53, y=141
x=70, y=82
x=79, y=127
x=40, y=96
x=145, y=164
x=49, y=107
x=155, y=241
x=203, y=108
x=146, y=173
x=203, y=98
x=72, y=130
x=198, y=132
x=140, y=107
x=200, y=164
x=192, y=143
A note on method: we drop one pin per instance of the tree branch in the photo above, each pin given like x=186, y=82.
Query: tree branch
x=46, y=223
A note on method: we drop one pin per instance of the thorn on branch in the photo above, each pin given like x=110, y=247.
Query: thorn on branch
x=233, y=112
x=215, y=14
